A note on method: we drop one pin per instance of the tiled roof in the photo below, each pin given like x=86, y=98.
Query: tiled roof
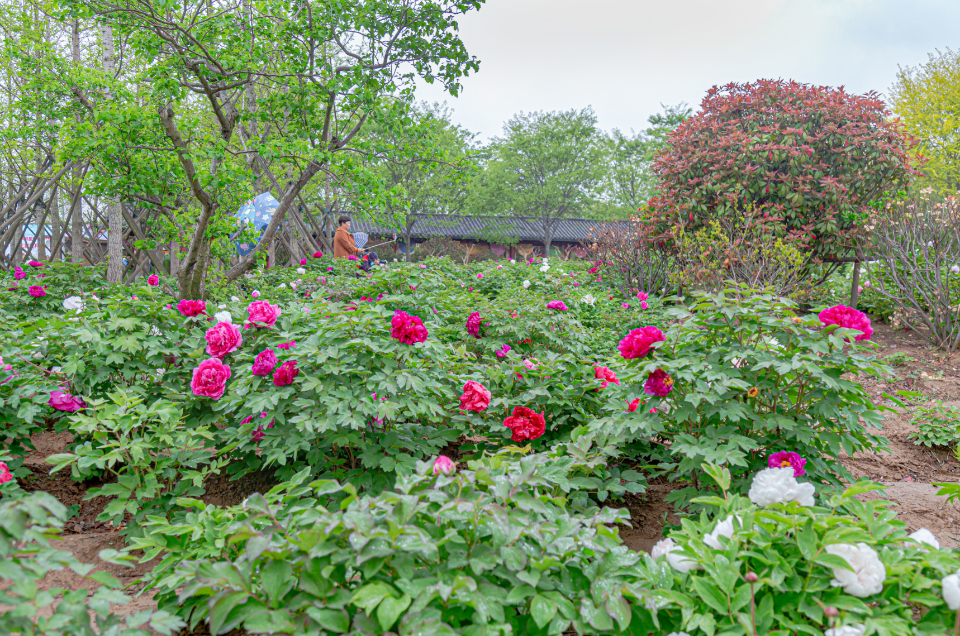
x=484, y=228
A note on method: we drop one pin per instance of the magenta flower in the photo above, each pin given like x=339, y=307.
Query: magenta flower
x=784, y=459
x=644, y=305
x=210, y=379
x=222, y=338
x=286, y=346
x=504, y=350
x=847, y=318
x=605, y=374
x=285, y=373
x=5, y=474
x=480, y=276
x=476, y=397
x=35, y=264
x=37, y=291
x=303, y=261
x=658, y=383
x=262, y=314
x=473, y=324
x=153, y=280
x=265, y=363
x=192, y=307
x=638, y=342
x=443, y=465
x=19, y=274
x=557, y=304
x=63, y=401
x=318, y=254
x=407, y=329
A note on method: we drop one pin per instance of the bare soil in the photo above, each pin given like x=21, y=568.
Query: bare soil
x=908, y=471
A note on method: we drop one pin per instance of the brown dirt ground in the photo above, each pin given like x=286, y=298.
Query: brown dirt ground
x=908, y=472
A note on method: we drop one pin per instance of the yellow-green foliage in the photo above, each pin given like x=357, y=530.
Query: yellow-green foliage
x=927, y=100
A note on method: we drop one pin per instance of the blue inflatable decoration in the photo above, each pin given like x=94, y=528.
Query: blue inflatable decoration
x=255, y=213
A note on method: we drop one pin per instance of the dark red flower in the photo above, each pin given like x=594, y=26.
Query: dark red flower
x=525, y=423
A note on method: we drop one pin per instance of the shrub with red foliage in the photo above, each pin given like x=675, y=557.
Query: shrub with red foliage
x=811, y=158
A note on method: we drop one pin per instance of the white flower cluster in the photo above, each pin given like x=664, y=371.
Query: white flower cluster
x=526, y=284
x=677, y=561
x=856, y=629
x=223, y=316
x=778, y=485
x=867, y=574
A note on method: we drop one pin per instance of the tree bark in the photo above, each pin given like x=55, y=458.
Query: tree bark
x=76, y=216
x=114, y=215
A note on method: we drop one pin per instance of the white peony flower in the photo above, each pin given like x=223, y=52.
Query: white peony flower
x=293, y=285
x=235, y=299
x=925, y=536
x=283, y=285
x=955, y=269
x=857, y=629
x=513, y=260
x=301, y=271
x=73, y=302
x=155, y=331
x=722, y=529
x=545, y=268
x=526, y=284
x=223, y=316
x=677, y=561
x=589, y=299
x=778, y=485
x=868, y=574
x=221, y=306
x=951, y=591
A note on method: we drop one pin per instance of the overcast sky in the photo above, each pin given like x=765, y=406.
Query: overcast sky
x=626, y=57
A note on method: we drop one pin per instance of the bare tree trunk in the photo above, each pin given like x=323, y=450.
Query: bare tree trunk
x=55, y=228
x=114, y=215
x=174, y=258
x=76, y=228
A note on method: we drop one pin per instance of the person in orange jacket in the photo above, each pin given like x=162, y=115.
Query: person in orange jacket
x=343, y=245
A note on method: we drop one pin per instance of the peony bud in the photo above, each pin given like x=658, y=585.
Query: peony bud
x=443, y=465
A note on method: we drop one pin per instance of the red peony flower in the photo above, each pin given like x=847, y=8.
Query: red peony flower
x=525, y=424
x=475, y=397
x=265, y=363
x=222, y=338
x=847, y=318
x=473, y=324
x=263, y=314
x=285, y=373
x=210, y=379
x=5, y=474
x=658, y=383
x=153, y=280
x=788, y=458
x=605, y=374
x=637, y=343
x=318, y=254
x=407, y=329
x=63, y=401
x=192, y=307
x=633, y=405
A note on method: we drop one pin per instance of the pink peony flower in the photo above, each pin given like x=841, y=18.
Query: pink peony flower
x=504, y=350
x=303, y=261
x=633, y=405
x=263, y=314
x=286, y=346
x=653, y=410
x=210, y=379
x=784, y=459
x=658, y=383
x=642, y=296
x=407, y=329
x=625, y=305
x=285, y=373
x=480, y=276
x=605, y=374
x=222, y=338
x=153, y=280
x=848, y=319
x=318, y=254
x=192, y=307
x=35, y=264
x=475, y=397
x=37, y=291
x=63, y=401
x=557, y=304
x=473, y=324
x=265, y=363
x=443, y=465
x=637, y=343
x=5, y=474
x=644, y=305
x=19, y=274
x=255, y=294
x=525, y=424
x=351, y=257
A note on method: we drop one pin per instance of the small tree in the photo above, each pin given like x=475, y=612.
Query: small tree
x=814, y=157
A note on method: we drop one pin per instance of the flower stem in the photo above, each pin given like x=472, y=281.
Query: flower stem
x=956, y=625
